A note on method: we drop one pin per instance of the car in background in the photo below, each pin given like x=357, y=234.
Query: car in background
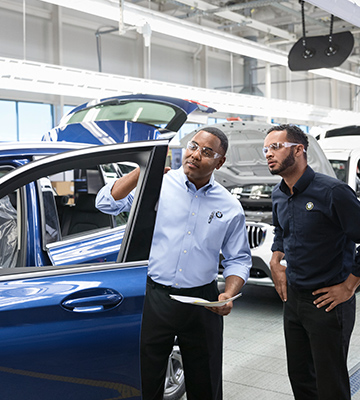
x=342, y=148
x=246, y=175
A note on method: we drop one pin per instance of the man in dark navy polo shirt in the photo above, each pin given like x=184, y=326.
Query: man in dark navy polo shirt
x=317, y=223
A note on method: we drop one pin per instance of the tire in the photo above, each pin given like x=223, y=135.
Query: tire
x=174, y=381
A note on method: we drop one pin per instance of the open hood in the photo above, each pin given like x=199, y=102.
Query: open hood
x=124, y=119
x=245, y=172
x=245, y=162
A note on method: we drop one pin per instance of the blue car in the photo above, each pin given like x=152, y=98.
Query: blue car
x=72, y=280
x=126, y=118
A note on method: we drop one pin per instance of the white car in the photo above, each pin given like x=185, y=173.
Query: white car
x=342, y=148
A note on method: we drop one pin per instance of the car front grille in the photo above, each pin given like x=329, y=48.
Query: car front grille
x=256, y=235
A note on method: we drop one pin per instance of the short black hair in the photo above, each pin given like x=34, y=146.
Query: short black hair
x=224, y=143
x=293, y=132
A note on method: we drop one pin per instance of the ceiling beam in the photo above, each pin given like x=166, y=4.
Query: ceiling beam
x=173, y=27
x=348, y=10
x=227, y=13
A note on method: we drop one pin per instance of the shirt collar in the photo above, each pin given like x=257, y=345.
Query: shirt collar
x=301, y=184
x=189, y=184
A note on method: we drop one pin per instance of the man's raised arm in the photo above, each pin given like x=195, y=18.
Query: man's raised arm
x=124, y=185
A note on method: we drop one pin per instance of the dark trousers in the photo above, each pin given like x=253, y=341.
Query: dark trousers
x=317, y=344
x=200, y=337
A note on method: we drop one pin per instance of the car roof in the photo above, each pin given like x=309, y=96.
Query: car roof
x=27, y=149
x=343, y=131
x=340, y=143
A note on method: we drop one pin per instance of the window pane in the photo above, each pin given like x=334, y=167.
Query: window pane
x=35, y=119
x=8, y=120
x=66, y=109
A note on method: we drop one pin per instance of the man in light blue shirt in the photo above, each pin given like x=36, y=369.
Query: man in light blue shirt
x=196, y=219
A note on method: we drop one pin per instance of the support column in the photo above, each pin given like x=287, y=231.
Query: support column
x=204, y=68
x=268, y=86
x=334, y=94
x=57, y=45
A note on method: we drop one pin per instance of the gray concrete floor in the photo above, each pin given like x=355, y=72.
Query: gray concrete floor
x=254, y=349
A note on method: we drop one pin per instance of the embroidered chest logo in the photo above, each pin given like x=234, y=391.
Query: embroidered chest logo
x=218, y=214
x=309, y=205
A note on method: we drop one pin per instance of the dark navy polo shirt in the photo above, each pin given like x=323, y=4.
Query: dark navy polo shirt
x=317, y=228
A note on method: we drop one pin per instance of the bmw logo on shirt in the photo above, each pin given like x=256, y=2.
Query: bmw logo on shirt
x=309, y=205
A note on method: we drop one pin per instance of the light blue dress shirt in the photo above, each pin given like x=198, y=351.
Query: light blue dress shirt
x=191, y=228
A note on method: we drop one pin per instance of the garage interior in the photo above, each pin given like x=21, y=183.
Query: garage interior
x=230, y=55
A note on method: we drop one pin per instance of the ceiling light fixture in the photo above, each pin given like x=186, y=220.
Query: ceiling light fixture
x=314, y=52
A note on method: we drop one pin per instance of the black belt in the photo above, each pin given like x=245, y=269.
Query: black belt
x=171, y=289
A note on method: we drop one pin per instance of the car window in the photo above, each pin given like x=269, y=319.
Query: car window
x=61, y=209
x=68, y=202
x=135, y=111
x=10, y=215
x=72, y=194
x=340, y=168
x=8, y=233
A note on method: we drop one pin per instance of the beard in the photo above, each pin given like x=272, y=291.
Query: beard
x=288, y=162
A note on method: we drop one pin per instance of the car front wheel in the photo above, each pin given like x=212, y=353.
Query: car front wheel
x=174, y=381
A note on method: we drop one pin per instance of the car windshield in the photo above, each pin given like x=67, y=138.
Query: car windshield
x=340, y=168
x=157, y=114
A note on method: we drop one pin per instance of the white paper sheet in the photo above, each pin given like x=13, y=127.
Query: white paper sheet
x=202, y=302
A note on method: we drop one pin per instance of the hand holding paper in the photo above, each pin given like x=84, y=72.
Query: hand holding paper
x=202, y=302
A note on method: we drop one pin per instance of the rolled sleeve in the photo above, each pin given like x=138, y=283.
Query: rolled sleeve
x=278, y=240
x=106, y=203
x=236, y=250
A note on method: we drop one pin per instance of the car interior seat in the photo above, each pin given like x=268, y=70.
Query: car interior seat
x=84, y=216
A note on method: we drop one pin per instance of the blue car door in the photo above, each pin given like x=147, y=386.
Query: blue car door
x=72, y=332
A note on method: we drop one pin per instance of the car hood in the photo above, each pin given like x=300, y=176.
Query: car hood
x=245, y=172
x=124, y=119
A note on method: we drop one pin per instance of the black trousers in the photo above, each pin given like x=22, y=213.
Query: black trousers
x=200, y=337
x=317, y=344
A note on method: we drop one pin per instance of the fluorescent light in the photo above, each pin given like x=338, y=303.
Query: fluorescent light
x=45, y=78
x=338, y=74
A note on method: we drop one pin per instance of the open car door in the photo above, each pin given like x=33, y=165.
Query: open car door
x=72, y=332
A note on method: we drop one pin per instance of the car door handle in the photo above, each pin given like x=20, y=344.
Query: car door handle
x=86, y=301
